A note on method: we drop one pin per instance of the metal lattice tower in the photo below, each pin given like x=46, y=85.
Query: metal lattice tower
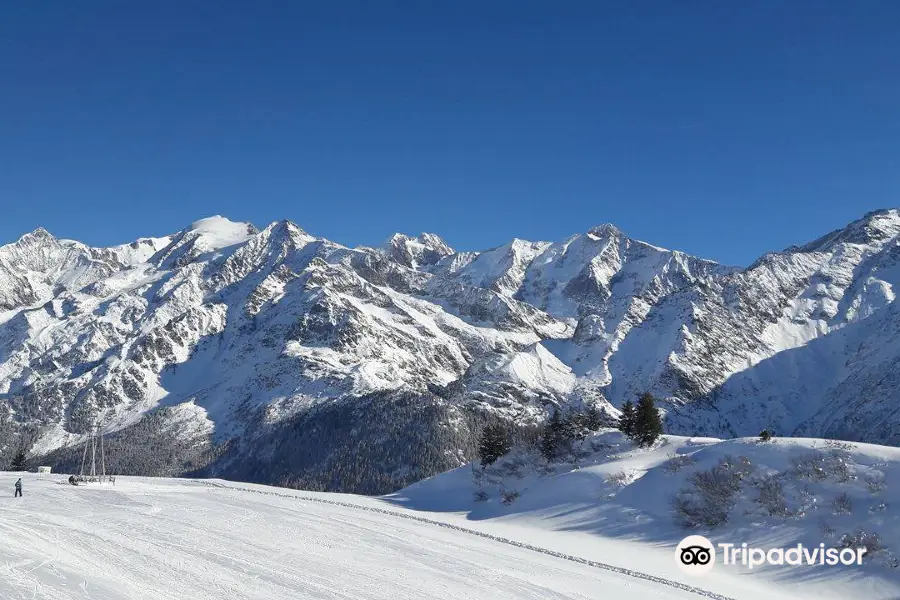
x=89, y=470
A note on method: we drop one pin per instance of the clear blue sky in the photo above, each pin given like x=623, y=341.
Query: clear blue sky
x=724, y=129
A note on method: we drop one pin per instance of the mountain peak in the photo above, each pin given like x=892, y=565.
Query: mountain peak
x=874, y=227
x=38, y=234
x=219, y=232
x=218, y=224
x=605, y=230
x=425, y=249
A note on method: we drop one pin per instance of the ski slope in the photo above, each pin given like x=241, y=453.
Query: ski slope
x=613, y=505
x=161, y=538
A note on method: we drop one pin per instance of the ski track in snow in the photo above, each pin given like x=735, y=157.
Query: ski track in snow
x=175, y=539
x=503, y=540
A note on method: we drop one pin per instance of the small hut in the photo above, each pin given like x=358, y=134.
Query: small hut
x=44, y=470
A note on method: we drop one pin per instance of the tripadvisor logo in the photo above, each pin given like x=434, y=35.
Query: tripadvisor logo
x=696, y=555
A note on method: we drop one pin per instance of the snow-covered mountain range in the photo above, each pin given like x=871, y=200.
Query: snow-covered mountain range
x=276, y=356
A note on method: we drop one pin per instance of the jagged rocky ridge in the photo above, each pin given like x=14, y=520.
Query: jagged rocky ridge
x=275, y=356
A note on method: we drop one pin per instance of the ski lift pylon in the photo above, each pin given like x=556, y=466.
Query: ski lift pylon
x=89, y=473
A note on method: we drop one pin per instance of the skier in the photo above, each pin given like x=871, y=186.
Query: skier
x=18, y=488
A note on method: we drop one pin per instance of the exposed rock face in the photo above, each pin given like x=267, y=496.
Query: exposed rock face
x=276, y=356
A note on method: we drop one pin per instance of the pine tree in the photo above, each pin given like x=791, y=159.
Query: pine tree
x=647, y=423
x=628, y=419
x=575, y=428
x=593, y=418
x=493, y=444
x=553, y=434
x=18, y=463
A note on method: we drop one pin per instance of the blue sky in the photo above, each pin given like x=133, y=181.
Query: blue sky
x=724, y=129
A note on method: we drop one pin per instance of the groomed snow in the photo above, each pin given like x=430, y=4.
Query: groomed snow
x=572, y=533
x=164, y=539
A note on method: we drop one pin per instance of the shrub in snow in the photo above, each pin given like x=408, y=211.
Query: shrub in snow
x=808, y=466
x=517, y=464
x=709, y=500
x=765, y=435
x=771, y=496
x=839, y=466
x=509, y=496
x=842, y=505
x=827, y=530
x=677, y=462
x=619, y=479
x=875, y=549
x=819, y=466
x=838, y=445
x=862, y=539
x=807, y=502
x=875, y=482
x=481, y=496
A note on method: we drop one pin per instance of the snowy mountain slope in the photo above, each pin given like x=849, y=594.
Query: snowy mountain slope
x=162, y=539
x=609, y=499
x=272, y=340
x=841, y=385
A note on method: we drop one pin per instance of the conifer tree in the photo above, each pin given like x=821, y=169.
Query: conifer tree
x=493, y=444
x=18, y=463
x=593, y=418
x=647, y=422
x=575, y=428
x=628, y=419
x=552, y=436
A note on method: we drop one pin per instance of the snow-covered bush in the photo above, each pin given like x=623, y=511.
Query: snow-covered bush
x=816, y=465
x=771, y=496
x=862, y=539
x=807, y=501
x=875, y=482
x=677, y=462
x=514, y=465
x=509, y=496
x=842, y=504
x=875, y=548
x=838, y=445
x=620, y=479
x=709, y=500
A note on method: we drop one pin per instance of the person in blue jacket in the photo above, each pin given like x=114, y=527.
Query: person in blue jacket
x=18, y=488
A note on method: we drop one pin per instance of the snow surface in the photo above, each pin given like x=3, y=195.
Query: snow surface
x=574, y=532
x=614, y=506
x=219, y=232
x=158, y=538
